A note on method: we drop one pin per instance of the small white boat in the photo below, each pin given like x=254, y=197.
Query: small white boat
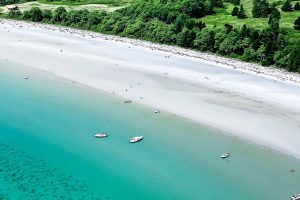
x=136, y=139
x=156, y=111
x=101, y=135
x=26, y=77
x=127, y=101
x=225, y=155
x=295, y=197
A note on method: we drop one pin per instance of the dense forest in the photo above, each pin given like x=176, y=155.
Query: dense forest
x=178, y=22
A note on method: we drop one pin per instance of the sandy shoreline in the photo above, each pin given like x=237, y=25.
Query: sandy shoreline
x=251, y=68
x=176, y=80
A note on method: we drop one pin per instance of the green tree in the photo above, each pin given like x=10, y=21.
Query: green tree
x=14, y=14
x=59, y=14
x=274, y=29
x=265, y=8
x=26, y=15
x=199, y=24
x=227, y=46
x=36, y=14
x=47, y=15
x=281, y=57
x=219, y=37
x=255, y=9
x=281, y=43
x=189, y=23
x=228, y=28
x=261, y=53
x=209, y=8
x=294, y=58
x=274, y=14
x=134, y=29
x=244, y=32
x=171, y=17
x=235, y=11
x=73, y=18
x=179, y=22
x=186, y=37
x=241, y=45
x=255, y=40
x=242, y=13
x=95, y=18
x=158, y=31
x=249, y=54
x=287, y=6
x=270, y=39
x=297, y=6
x=260, y=8
x=193, y=8
x=204, y=40
x=217, y=3
x=235, y=2
x=297, y=24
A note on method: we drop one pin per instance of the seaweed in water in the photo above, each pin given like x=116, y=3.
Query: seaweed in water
x=28, y=178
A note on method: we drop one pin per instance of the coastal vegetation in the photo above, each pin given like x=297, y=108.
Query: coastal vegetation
x=254, y=31
x=68, y=2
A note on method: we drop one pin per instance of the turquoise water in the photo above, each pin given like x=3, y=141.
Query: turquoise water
x=47, y=149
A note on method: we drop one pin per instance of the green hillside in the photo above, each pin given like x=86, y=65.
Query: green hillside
x=223, y=15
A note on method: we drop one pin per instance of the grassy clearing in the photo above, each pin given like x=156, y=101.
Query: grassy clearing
x=223, y=16
x=29, y=5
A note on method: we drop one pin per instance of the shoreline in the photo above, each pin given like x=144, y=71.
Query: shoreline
x=247, y=106
x=246, y=67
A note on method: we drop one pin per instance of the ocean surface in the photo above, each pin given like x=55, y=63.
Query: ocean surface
x=47, y=149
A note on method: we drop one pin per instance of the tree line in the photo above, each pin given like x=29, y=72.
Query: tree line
x=179, y=23
x=262, y=8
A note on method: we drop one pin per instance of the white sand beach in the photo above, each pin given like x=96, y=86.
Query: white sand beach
x=249, y=101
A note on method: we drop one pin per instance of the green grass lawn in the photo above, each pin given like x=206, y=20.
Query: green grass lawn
x=223, y=16
x=29, y=5
x=84, y=2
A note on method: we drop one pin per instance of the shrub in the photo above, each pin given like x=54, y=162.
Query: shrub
x=287, y=6
x=297, y=6
x=297, y=24
x=235, y=11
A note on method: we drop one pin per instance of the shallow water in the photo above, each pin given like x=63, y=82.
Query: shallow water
x=47, y=149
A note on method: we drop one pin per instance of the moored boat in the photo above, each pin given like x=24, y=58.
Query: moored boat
x=101, y=135
x=225, y=155
x=136, y=139
x=295, y=197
